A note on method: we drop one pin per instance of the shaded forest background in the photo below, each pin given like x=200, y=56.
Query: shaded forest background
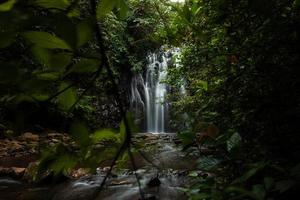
x=62, y=64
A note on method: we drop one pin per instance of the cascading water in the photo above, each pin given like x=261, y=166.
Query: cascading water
x=148, y=96
x=156, y=90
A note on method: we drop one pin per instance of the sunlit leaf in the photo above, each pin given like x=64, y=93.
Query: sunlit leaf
x=67, y=98
x=122, y=9
x=46, y=40
x=63, y=163
x=105, y=7
x=8, y=5
x=104, y=134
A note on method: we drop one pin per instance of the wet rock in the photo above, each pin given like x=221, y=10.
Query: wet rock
x=150, y=197
x=119, y=182
x=9, y=182
x=15, y=172
x=81, y=172
x=154, y=182
x=82, y=189
x=29, y=136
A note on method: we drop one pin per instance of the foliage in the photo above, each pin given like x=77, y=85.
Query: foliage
x=238, y=60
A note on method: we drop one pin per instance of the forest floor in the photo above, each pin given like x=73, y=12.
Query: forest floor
x=162, y=170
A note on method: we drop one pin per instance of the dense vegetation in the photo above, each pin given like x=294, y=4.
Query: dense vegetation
x=66, y=65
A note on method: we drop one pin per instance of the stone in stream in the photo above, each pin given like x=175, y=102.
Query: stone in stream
x=154, y=182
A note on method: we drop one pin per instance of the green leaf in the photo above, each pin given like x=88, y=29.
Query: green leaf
x=122, y=9
x=122, y=130
x=130, y=119
x=66, y=99
x=59, y=61
x=6, y=39
x=208, y=162
x=297, y=3
x=8, y=5
x=57, y=4
x=285, y=185
x=105, y=7
x=241, y=191
x=40, y=97
x=258, y=167
x=48, y=76
x=41, y=55
x=104, y=134
x=65, y=28
x=259, y=191
x=85, y=65
x=63, y=163
x=46, y=40
x=56, y=61
x=80, y=134
x=84, y=32
x=187, y=137
x=268, y=182
x=233, y=142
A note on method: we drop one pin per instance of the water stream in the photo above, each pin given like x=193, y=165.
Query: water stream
x=148, y=93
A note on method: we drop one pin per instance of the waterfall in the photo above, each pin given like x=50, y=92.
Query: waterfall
x=156, y=90
x=148, y=94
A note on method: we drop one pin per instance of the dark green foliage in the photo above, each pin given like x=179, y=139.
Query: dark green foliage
x=240, y=62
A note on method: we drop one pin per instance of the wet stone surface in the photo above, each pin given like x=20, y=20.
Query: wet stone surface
x=160, y=180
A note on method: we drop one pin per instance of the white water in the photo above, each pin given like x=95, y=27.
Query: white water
x=148, y=95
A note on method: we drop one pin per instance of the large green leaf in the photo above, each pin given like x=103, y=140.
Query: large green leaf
x=46, y=40
x=8, y=5
x=48, y=76
x=84, y=32
x=65, y=28
x=56, y=61
x=57, y=4
x=66, y=99
x=85, y=65
x=63, y=163
x=80, y=134
x=104, y=8
x=41, y=55
x=122, y=9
